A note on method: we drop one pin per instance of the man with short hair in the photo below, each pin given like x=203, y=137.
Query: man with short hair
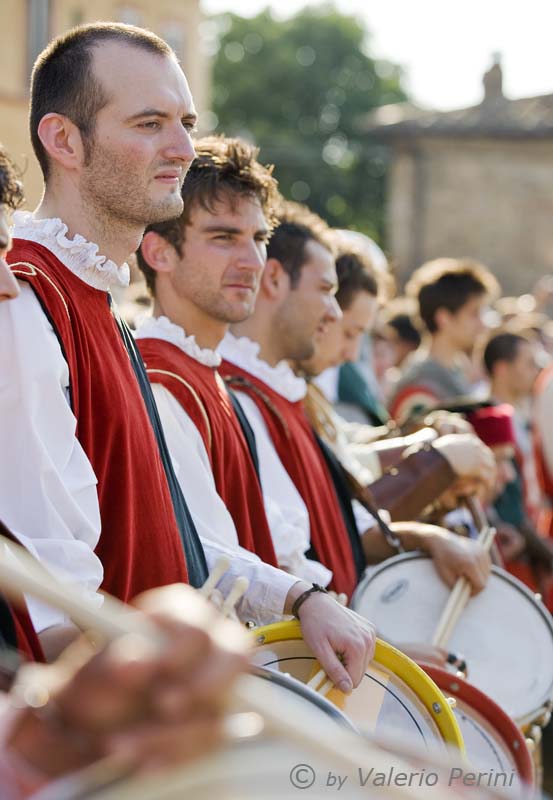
x=295, y=304
x=451, y=294
x=89, y=478
x=89, y=487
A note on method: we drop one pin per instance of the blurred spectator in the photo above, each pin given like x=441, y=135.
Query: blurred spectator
x=451, y=296
x=394, y=340
x=403, y=334
x=510, y=361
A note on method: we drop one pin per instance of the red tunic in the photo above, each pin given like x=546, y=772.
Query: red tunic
x=27, y=641
x=202, y=393
x=140, y=546
x=297, y=448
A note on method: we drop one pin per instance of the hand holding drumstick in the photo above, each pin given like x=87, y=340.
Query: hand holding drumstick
x=460, y=595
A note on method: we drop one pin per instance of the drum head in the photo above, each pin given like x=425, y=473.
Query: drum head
x=395, y=697
x=505, y=634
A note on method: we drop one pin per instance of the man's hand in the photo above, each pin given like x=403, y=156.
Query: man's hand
x=342, y=644
x=469, y=458
x=456, y=557
x=153, y=705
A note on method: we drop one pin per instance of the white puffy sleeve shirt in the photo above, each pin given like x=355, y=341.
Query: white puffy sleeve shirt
x=47, y=486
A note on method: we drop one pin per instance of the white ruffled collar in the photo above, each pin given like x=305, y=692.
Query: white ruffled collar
x=78, y=255
x=162, y=328
x=244, y=353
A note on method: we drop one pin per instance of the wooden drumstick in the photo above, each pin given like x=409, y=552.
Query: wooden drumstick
x=238, y=590
x=21, y=573
x=221, y=566
x=458, y=599
x=480, y=520
x=315, y=681
x=326, y=687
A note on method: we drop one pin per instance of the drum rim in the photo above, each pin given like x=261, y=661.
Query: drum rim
x=527, y=718
x=284, y=680
x=397, y=662
x=492, y=713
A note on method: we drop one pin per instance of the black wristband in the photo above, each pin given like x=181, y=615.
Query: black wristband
x=303, y=597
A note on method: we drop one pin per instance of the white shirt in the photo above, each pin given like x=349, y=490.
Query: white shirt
x=47, y=484
x=245, y=354
x=289, y=527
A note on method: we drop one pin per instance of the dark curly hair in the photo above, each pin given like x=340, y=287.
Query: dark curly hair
x=11, y=188
x=297, y=226
x=223, y=168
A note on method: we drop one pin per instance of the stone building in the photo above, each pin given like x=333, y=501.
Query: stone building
x=28, y=25
x=474, y=182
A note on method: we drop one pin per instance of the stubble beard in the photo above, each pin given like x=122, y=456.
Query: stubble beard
x=298, y=346
x=221, y=310
x=118, y=196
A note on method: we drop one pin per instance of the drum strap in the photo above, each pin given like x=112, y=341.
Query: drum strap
x=364, y=496
x=343, y=493
x=192, y=546
x=247, y=430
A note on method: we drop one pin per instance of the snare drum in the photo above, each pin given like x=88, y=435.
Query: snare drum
x=505, y=633
x=264, y=764
x=492, y=740
x=395, y=697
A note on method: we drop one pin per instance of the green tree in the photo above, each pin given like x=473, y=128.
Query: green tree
x=298, y=87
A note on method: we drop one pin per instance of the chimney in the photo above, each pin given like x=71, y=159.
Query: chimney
x=493, y=82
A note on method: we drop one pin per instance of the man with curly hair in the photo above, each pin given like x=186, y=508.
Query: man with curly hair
x=203, y=270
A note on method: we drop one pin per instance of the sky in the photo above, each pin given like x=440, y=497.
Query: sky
x=446, y=45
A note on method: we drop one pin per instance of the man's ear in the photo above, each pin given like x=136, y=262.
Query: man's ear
x=62, y=140
x=157, y=252
x=275, y=282
x=441, y=318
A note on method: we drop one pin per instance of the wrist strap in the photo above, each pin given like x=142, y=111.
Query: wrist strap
x=303, y=597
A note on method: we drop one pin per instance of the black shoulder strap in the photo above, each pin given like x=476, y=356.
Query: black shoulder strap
x=344, y=497
x=247, y=430
x=193, y=550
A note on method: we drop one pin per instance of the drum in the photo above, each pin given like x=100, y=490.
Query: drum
x=260, y=762
x=492, y=740
x=395, y=697
x=505, y=633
